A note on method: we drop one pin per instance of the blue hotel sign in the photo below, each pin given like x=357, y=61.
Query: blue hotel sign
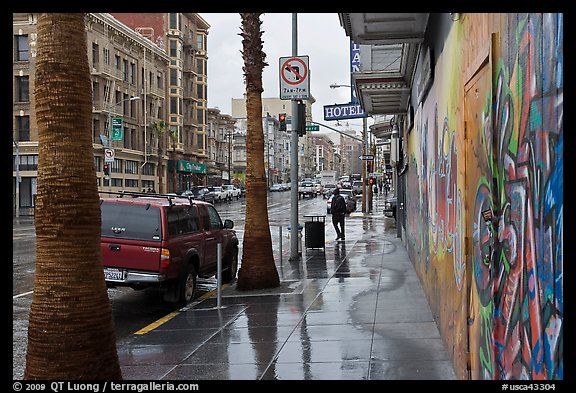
x=351, y=110
x=343, y=111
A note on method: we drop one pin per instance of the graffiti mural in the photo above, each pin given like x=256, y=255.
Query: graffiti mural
x=516, y=261
x=528, y=290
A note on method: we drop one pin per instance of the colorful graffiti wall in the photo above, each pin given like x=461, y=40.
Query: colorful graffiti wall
x=511, y=283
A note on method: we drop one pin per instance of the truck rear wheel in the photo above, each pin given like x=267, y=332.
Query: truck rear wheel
x=185, y=287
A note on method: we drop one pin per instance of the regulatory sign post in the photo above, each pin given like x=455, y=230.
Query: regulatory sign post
x=109, y=155
x=294, y=78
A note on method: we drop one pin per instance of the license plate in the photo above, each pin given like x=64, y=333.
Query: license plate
x=113, y=274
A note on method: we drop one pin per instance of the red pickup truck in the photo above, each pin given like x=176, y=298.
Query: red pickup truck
x=164, y=241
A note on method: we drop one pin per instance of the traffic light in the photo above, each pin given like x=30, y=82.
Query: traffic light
x=369, y=166
x=106, y=170
x=282, y=120
x=301, y=119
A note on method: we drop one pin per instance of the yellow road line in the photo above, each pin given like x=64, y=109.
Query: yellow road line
x=168, y=317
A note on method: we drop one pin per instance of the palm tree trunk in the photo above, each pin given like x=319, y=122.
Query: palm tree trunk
x=71, y=333
x=258, y=269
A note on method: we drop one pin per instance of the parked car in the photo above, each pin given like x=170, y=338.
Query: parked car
x=357, y=186
x=328, y=188
x=164, y=242
x=200, y=193
x=232, y=191
x=350, y=198
x=390, y=207
x=219, y=194
x=276, y=188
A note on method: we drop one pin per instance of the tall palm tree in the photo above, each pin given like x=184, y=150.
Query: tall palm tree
x=258, y=269
x=71, y=333
x=160, y=128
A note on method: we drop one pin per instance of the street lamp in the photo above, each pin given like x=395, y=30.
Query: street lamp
x=336, y=85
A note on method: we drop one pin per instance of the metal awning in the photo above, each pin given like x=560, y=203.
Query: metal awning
x=391, y=42
x=384, y=28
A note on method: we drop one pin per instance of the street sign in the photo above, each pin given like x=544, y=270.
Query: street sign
x=294, y=78
x=117, y=126
x=108, y=155
x=313, y=128
x=367, y=157
x=343, y=111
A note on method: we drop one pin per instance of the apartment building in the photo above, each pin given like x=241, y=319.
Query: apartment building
x=128, y=75
x=184, y=38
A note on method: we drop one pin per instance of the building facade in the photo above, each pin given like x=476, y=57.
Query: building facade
x=184, y=37
x=128, y=75
x=478, y=106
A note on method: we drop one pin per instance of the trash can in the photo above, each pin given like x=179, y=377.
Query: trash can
x=314, y=236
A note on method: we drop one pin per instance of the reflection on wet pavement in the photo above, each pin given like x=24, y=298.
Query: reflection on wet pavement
x=352, y=311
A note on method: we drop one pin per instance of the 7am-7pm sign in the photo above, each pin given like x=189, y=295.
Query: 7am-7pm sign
x=294, y=78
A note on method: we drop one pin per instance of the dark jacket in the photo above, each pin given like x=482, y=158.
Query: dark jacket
x=338, y=204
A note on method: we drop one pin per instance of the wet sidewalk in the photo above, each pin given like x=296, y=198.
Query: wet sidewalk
x=353, y=311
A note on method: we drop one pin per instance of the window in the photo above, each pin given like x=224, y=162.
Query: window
x=95, y=55
x=116, y=166
x=148, y=169
x=95, y=91
x=215, y=221
x=173, y=21
x=132, y=73
x=131, y=167
x=22, y=49
x=173, y=48
x=200, y=42
x=27, y=163
x=182, y=221
x=106, y=56
x=125, y=70
x=144, y=221
x=173, y=77
x=131, y=183
x=117, y=62
x=173, y=105
x=22, y=90
x=200, y=91
x=23, y=128
x=200, y=66
x=159, y=79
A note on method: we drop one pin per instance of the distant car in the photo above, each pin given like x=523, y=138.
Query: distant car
x=200, y=193
x=328, y=188
x=390, y=207
x=350, y=201
x=319, y=188
x=357, y=186
x=219, y=194
x=276, y=188
x=232, y=191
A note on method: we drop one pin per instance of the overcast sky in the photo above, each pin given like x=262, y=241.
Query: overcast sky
x=320, y=37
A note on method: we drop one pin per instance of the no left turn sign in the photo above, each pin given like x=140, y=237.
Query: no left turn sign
x=294, y=78
x=108, y=155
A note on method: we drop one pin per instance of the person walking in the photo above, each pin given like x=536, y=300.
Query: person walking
x=338, y=210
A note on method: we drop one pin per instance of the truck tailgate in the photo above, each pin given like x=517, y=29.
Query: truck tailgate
x=130, y=254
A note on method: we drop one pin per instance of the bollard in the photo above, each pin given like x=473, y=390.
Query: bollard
x=280, y=237
x=219, y=280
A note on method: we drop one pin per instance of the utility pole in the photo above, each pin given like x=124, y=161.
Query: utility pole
x=364, y=162
x=294, y=256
